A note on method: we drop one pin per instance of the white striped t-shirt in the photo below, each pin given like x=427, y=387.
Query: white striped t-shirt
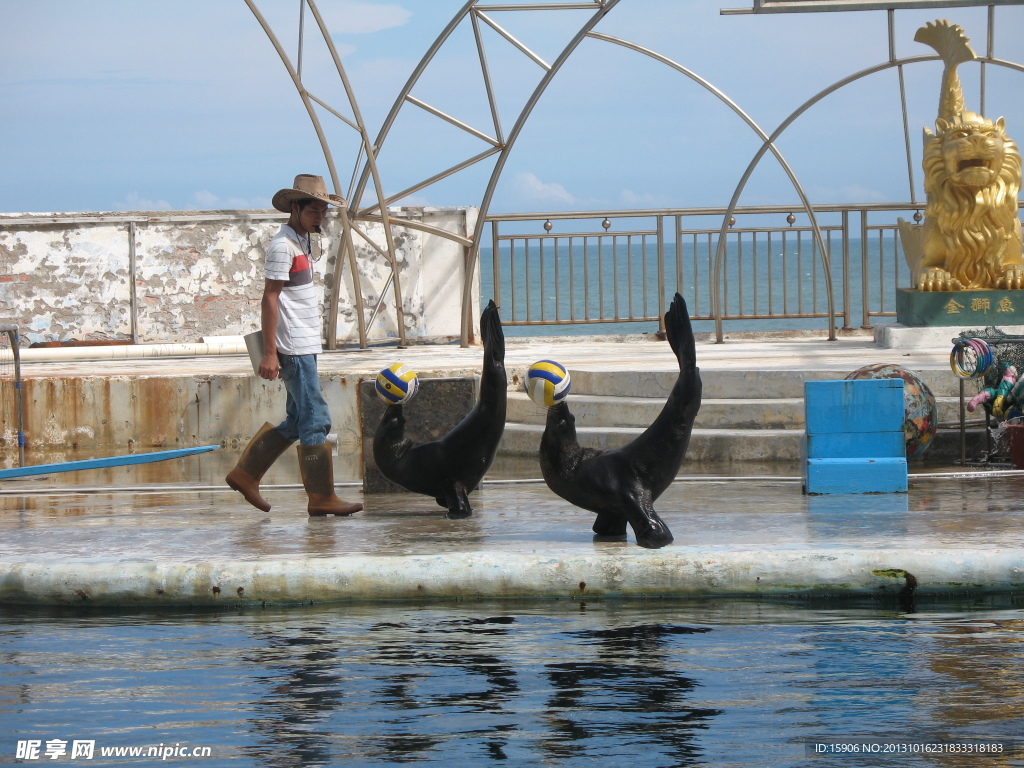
x=298, y=315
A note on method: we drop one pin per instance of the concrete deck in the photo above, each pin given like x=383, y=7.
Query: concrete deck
x=170, y=535
x=598, y=353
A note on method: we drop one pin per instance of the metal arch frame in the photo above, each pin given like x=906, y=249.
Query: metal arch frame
x=501, y=144
x=768, y=144
x=352, y=213
x=345, y=213
x=499, y=165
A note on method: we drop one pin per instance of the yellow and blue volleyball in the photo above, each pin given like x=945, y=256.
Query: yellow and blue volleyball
x=547, y=383
x=397, y=384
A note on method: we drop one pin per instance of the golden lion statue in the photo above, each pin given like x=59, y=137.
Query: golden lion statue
x=971, y=237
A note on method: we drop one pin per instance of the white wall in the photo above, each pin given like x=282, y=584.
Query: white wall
x=68, y=276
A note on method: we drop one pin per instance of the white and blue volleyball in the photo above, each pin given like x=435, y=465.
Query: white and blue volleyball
x=397, y=384
x=547, y=383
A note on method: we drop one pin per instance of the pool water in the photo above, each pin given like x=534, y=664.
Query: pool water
x=553, y=683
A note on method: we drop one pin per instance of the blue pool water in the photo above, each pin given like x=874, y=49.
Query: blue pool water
x=652, y=683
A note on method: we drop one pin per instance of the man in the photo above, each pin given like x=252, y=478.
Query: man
x=291, y=342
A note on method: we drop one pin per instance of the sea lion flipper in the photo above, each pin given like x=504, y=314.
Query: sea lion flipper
x=457, y=502
x=609, y=527
x=492, y=333
x=649, y=529
x=680, y=334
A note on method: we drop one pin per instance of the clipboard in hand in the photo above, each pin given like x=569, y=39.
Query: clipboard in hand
x=254, y=343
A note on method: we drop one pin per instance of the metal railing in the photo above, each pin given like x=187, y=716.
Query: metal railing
x=624, y=266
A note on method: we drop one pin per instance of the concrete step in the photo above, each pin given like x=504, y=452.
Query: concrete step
x=746, y=415
x=715, y=413
x=714, y=445
x=604, y=411
x=705, y=444
x=742, y=384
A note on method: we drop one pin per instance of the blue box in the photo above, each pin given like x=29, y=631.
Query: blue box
x=859, y=405
x=879, y=475
x=855, y=445
x=854, y=440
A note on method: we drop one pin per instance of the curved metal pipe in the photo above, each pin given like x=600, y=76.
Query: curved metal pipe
x=1001, y=63
x=296, y=80
x=421, y=227
x=346, y=238
x=469, y=270
x=769, y=143
x=371, y=161
x=527, y=110
x=389, y=121
x=807, y=105
x=826, y=261
x=332, y=319
x=505, y=146
x=370, y=166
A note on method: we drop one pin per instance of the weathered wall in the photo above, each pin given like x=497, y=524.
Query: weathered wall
x=432, y=269
x=160, y=411
x=66, y=282
x=70, y=276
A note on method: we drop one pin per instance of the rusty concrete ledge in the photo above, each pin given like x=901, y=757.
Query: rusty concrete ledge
x=672, y=572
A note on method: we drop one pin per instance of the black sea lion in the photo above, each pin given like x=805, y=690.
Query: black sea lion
x=449, y=469
x=622, y=485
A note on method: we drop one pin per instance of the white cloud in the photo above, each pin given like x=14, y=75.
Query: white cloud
x=358, y=18
x=632, y=199
x=242, y=203
x=206, y=200
x=532, y=188
x=132, y=202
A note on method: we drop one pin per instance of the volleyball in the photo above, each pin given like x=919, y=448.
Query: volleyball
x=547, y=383
x=397, y=384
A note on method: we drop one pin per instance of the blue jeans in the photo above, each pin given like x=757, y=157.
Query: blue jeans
x=309, y=418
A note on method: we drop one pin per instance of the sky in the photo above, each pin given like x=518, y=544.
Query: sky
x=114, y=105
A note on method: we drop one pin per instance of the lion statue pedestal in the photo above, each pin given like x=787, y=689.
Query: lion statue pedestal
x=967, y=309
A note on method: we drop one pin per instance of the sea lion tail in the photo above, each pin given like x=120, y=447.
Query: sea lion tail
x=493, y=335
x=680, y=334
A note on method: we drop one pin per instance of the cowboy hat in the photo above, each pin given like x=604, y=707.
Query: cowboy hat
x=305, y=187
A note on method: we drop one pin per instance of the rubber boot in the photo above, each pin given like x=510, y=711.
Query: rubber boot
x=262, y=451
x=317, y=468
